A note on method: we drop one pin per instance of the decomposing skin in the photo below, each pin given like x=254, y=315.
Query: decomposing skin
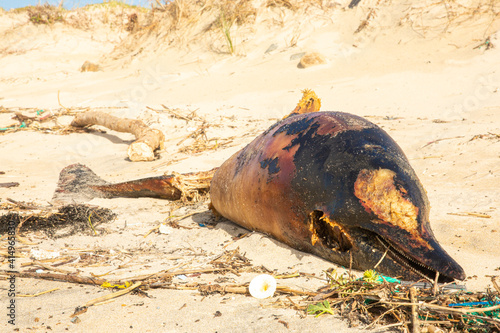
x=335, y=185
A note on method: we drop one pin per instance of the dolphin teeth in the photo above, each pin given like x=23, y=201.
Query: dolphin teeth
x=410, y=263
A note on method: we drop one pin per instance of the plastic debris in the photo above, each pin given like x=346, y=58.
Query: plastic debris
x=262, y=286
x=164, y=229
x=42, y=254
x=119, y=286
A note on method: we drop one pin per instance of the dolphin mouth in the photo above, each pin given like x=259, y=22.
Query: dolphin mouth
x=378, y=251
x=410, y=263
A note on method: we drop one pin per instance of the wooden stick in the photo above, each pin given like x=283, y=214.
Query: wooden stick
x=56, y=277
x=495, y=284
x=414, y=314
x=234, y=289
x=436, y=286
x=8, y=185
x=147, y=139
x=52, y=268
x=444, y=308
x=163, y=274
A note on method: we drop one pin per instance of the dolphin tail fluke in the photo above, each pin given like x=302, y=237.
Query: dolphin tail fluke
x=78, y=183
x=75, y=185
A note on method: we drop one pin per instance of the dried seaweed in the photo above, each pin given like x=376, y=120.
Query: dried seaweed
x=68, y=220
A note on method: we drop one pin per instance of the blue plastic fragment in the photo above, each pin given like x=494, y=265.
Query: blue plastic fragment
x=474, y=304
x=382, y=278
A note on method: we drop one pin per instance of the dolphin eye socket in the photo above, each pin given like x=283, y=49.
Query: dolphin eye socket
x=400, y=187
x=327, y=232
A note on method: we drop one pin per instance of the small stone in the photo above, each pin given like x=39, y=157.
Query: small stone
x=90, y=67
x=311, y=59
x=271, y=48
x=296, y=56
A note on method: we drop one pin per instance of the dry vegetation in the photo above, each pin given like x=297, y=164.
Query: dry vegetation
x=45, y=14
x=440, y=17
x=220, y=21
x=220, y=25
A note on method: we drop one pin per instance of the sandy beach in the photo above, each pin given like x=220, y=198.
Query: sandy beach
x=428, y=73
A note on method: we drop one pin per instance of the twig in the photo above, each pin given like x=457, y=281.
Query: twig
x=287, y=276
x=38, y=294
x=56, y=277
x=382, y=328
x=436, y=286
x=485, y=216
x=59, y=101
x=379, y=317
x=495, y=284
x=435, y=141
x=414, y=314
x=51, y=268
x=9, y=185
x=24, y=205
x=162, y=6
x=236, y=289
x=163, y=274
x=288, y=290
x=444, y=308
x=382, y=258
x=175, y=114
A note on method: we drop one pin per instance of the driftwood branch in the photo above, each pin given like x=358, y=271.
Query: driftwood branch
x=8, y=185
x=57, y=277
x=147, y=139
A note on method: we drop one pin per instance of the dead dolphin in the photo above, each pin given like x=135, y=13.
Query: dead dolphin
x=335, y=185
x=329, y=183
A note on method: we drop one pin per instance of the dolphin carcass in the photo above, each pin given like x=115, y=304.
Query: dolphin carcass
x=328, y=183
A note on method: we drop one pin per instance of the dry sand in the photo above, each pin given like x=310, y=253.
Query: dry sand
x=414, y=70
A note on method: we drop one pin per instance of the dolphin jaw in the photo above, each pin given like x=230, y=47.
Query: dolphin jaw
x=408, y=262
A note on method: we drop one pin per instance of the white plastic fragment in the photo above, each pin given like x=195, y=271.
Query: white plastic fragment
x=42, y=254
x=164, y=229
x=262, y=286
